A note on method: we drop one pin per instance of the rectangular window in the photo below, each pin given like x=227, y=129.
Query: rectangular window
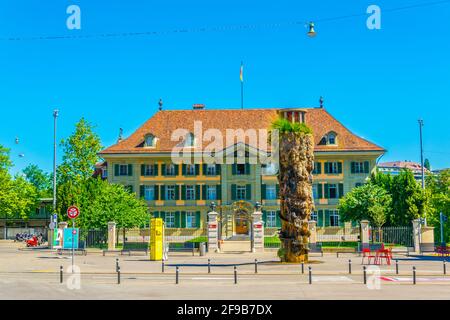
x=190, y=170
x=211, y=170
x=271, y=192
x=315, y=193
x=240, y=169
x=271, y=219
x=123, y=170
x=190, y=192
x=332, y=191
x=317, y=168
x=149, y=193
x=241, y=192
x=149, y=170
x=169, y=219
x=170, y=193
x=191, y=220
x=170, y=170
x=211, y=192
x=334, y=218
x=332, y=167
x=105, y=173
x=314, y=216
x=358, y=167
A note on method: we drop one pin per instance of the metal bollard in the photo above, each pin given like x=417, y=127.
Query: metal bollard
x=61, y=272
x=365, y=274
x=310, y=275
x=256, y=266
x=396, y=266
x=235, y=275
x=414, y=275
x=209, y=265
x=350, y=266
x=117, y=265
x=163, y=267
x=177, y=279
x=445, y=267
x=118, y=275
x=303, y=268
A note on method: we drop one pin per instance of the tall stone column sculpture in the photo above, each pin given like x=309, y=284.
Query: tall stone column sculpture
x=258, y=230
x=111, y=236
x=295, y=179
x=213, y=230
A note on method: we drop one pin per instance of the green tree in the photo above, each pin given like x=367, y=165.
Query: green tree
x=5, y=161
x=438, y=189
x=17, y=196
x=368, y=202
x=101, y=202
x=427, y=164
x=409, y=201
x=25, y=197
x=40, y=179
x=80, y=153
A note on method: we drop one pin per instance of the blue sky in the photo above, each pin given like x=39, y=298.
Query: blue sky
x=377, y=82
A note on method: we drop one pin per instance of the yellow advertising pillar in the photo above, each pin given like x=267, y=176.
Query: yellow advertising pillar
x=156, y=239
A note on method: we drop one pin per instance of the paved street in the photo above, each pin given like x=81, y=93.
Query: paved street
x=32, y=274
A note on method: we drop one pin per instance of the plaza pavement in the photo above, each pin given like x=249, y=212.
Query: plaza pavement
x=34, y=274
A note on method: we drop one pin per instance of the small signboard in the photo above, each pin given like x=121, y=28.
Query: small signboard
x=71, y=236
x=73, y=212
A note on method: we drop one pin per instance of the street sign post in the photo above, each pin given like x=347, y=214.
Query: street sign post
x=73, y=213
x=443, y=219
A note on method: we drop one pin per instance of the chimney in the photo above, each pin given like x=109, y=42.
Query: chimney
x=198, y=106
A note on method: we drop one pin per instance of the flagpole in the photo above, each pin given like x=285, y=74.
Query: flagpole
x=242, y=85
x=242, y=94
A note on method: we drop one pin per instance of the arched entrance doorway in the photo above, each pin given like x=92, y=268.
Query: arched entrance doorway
x=242, y=223
x=242, y=218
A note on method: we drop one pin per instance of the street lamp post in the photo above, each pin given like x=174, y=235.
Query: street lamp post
x=53, y=220
x=55, y=118
x=421, y=153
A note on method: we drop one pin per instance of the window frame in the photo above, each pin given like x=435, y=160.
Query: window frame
x=271, y=219
x=193, y=216
x=213, y=189
x=169, y=191
x=272, y=195
x=336, y=190
x=125, y=172
x=243, y=190
x=334, y=217
x=171, y=216
x=190, y=192
x=146, y=188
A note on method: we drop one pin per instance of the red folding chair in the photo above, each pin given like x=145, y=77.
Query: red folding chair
x=367, y=254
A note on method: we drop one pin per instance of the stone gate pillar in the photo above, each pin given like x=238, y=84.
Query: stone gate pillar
x=416, y=235
x=258, y=232
x=111, y=236
x=312, y=225
x=213, y=232
x=364, y=234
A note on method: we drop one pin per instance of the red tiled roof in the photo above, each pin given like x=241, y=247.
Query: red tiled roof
x=402, y=165
x=164, y=123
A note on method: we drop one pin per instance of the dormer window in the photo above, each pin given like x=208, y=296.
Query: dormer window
x=190, y=140
x=150, y=141
x=331, y=138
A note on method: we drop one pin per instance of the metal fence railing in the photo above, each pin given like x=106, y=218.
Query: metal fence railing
x=338, y=234
x=393, y=235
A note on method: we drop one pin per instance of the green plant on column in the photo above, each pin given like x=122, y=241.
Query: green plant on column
x=296, y=147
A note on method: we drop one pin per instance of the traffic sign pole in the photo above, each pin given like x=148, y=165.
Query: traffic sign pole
x=73, y=213
x=73, y=241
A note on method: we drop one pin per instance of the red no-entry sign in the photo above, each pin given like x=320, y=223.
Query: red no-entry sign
x=73, y=212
